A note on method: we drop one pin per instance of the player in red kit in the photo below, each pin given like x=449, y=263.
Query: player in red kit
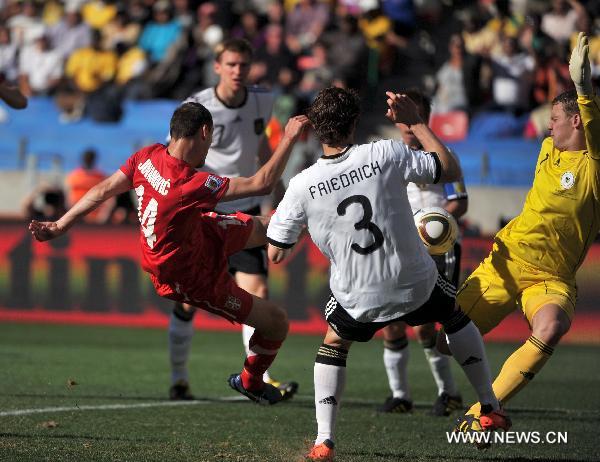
x=185, y=244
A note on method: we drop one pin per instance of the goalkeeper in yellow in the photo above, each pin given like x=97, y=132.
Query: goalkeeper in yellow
x=535, y=257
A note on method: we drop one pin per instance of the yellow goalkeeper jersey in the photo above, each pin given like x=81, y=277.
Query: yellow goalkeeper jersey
x=561, y=215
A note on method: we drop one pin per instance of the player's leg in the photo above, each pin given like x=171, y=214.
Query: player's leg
x=395, y=358
x=181, y=331
x=466, y=345
x=330, y=381
x=549, y=309
x=250, y=271
x=270, y=329
x=448, y=398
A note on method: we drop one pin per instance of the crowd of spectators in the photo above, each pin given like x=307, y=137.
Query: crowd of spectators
x=501, y=55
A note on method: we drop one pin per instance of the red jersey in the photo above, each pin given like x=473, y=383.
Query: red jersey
x=172, y=198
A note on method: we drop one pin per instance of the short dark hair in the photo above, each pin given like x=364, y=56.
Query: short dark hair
x=187, y=120
x=568, y=99
x=88, y=158
x=422, y=101
x=333, y=114
x=236, y=45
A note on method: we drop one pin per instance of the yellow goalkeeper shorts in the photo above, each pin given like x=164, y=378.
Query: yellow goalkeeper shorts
x=499, y=286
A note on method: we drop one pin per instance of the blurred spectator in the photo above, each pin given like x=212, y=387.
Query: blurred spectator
x=318, y=74
x=160, y=33
x=131, y=68
x=375, y=26
x=98, y=13
x=511, y=78
x=70, y=33
x=82, y=179
x=89, y=72
x=249, y=28
x=457, y=81
x=8, y=56
x=402, y=14
x=26, y=26
x=305, y=23
x=122, y=211
x=348, y=52
x=274, y=64
x=182, y=13
x=120, y=30
x=565, y=18
x=40, y=68
x=12, y=96
x=275, y=13
x=45, y=203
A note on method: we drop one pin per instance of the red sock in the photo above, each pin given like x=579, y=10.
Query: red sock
x=262, y=353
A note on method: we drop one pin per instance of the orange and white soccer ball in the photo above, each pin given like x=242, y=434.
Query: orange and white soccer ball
x=437, y=229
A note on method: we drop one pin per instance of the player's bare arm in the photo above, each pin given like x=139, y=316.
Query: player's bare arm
x=264, y=154
x=117, y=183
x=404, y=111
x=265, y=179
x=12, y=96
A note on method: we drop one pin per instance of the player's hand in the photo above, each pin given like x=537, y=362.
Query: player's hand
x=45, y=230
x=295, y=126
x=579, y=66
x=402, y=110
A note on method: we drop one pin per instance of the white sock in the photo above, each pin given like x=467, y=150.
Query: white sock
x=467, y=348
x=180, y=342
x=330, y=380
x=440, y=369
x=247, y=332
x=396, y=365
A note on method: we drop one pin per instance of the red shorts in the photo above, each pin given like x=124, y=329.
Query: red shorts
x=214, y=289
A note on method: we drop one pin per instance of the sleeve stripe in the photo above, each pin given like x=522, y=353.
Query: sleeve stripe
x=280, y=245
x=438, y=167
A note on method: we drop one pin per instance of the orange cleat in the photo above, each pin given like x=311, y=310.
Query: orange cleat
x=321, y=452
x=495, y=420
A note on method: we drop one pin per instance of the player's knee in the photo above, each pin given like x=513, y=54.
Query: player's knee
x=442, y=344
x=425, y=334
x=551, y=331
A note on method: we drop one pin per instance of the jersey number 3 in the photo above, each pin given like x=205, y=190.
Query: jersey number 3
x=364, y=223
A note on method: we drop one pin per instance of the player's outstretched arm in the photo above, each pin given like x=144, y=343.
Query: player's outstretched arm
x=579, y=67
x=401, y=109
x=117, y=183
x=265, y=179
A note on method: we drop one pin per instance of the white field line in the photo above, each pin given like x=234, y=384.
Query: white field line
x=302, y=398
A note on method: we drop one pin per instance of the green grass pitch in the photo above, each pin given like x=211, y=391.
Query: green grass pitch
x=117, y=408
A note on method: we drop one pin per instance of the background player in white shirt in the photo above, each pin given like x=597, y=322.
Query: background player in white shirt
x=453, y=197
x=354, y=203
x=240, y=116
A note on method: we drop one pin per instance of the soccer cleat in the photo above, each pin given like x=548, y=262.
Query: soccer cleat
x=321, y=452
x=268, y=395
x=396, y=405
x=287, y=389
x=494, y=420
x=445, y=404
x=180, y=391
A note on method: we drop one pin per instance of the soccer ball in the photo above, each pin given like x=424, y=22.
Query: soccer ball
x=437, y=229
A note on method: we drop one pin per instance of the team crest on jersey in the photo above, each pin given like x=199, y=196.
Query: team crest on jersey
x=567, y=180
x=213, y=183
x=259, y=125
x=233, y=303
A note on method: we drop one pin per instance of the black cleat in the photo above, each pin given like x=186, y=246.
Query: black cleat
x=396, y=405
x=445, y=404
x=287, y=389
x=268, y=395
x=180, y=391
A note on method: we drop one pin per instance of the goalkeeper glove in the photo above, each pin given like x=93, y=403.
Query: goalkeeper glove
x=579, y=66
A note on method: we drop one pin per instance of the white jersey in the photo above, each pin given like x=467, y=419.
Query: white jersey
x=357, y=212
x=435, y=195
x=236, y=138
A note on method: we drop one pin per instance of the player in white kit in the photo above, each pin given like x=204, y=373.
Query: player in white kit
x=452, y=197
x=240, y=115
x=354, y=203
